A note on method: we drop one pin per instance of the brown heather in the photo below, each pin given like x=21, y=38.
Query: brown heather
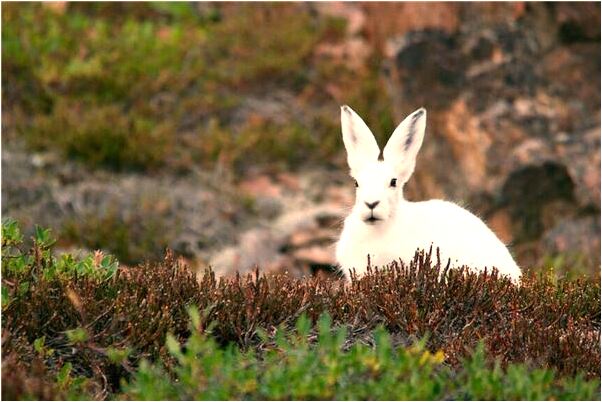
x=545, y=322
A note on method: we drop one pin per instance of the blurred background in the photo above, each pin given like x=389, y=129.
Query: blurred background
x=213, y=128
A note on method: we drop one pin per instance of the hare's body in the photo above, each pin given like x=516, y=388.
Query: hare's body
x=386, y=227
x=462, y=238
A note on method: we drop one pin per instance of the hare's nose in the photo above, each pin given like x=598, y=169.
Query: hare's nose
x=372, y=205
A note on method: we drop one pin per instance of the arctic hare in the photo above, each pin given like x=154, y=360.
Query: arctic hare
x=387, y=227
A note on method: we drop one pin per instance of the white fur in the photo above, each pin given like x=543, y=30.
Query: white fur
x=403, y=226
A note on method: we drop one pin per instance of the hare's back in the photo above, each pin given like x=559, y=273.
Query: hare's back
x=448, y=217
x=460, y=235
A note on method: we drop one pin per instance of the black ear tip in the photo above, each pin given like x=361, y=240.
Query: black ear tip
x=346, y=109
x=420, y=112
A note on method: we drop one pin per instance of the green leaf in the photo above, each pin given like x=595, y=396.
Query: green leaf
x=23, y=288
x=43, y=237
x=263, y=335
x=195, y=317
x=63, y=375
x=11, y=233
x=38, y=344
x=324, y=326
x=5, y=297
x=118, y=356
x=303, y=326
x=173, y=346
x=77, y=335
x=19, y=263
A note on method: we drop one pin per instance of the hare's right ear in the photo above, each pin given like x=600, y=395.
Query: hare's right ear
x=359, y=141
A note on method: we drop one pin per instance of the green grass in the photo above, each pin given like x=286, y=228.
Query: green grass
x=156, y=86
x=88, y=328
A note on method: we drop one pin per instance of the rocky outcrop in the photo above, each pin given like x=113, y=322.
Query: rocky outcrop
x=301, y=239
x=299, y=242
x=138, y=215
x=281, y=222
x=514, y=119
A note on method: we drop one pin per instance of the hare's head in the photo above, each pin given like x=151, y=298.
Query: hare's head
x=380, y=177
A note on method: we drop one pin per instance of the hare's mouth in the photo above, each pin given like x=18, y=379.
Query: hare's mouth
x=371, y=220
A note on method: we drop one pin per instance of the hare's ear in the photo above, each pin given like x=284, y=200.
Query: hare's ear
x=403, y=146
x=359, y=141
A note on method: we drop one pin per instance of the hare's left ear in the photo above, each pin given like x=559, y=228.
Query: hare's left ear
x=404, y=144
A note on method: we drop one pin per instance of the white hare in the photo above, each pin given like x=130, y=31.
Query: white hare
x=387, y=227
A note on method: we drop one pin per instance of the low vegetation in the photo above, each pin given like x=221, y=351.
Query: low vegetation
x=90, y=328
x=164, y=85
x=132, y=239
x=294, y=368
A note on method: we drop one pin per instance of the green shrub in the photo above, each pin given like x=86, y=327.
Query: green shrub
x=102, y=136
x=293, y=368
x=260, y=142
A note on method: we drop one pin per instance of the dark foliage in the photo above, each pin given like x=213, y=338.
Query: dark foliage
x=20, y=381
x=85, y=317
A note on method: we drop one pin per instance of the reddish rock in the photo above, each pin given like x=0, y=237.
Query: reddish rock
x=501, y=224
x=308, y=237
x=340, y=195
x=260, y=186
x=58, y=7
x=316, y=255
x=386, y=20
x=298, y=242
x=469, y=143
x=354, y=50
x=290, y=181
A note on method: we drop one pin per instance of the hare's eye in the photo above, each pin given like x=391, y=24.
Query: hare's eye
x=356, y=185
x=393, y=183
